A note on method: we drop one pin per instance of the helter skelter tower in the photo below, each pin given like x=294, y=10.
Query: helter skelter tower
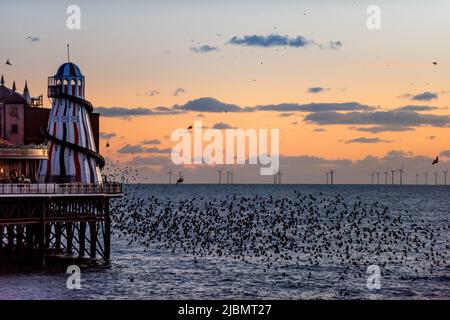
x=72, y=153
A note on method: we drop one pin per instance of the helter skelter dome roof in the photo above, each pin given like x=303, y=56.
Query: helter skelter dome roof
x=69, y=69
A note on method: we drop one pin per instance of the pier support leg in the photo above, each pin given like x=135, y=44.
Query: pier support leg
x=1, y=236
x=10, y=229
x=29, y=234
x=93, y=229
x=42, y=233
x=107, y=240
x=69, y=234
x=48, y=230
x=57, y=238
x=19, y=241
x=82, y=238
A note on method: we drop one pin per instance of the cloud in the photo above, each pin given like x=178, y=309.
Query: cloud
x=152, y=141
x=179, y=91
x=208, y=105
x=314, y=160
x=127, y=149
x=214, y=105
x=204, y=49
x=398, y=154
x=296, y=169
x=129, y=112
x=157, y=150
x=366, y=140
x=314, y=107
x=316, y=90
x=277, y=40
x=148, y=161
x=424, y=96
x=33, y=39
x=383, y=118
x=416, y=108
x=130, y=149
x=272, y=40
x=334, y=45
x=286, y=114
x=105, y=135
x=389, y=128
x=222, y=125
x=445, y=153
x=152, y=93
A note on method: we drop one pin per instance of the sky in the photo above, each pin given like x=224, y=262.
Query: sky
x=344, y=97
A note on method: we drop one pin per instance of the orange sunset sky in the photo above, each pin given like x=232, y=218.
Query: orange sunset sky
x=343, y=96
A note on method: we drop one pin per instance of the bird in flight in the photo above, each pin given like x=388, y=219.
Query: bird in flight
x=8, y=62
x=434, y=63
x=189, y=128
x=180, y=180
x=435, y=161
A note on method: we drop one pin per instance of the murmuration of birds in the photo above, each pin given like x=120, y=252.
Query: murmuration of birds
x=116, y=172
x=302, y=231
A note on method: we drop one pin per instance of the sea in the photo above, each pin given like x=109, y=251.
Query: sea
x=152, y=272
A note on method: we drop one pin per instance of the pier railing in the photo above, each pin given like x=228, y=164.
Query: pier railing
x=59, y=188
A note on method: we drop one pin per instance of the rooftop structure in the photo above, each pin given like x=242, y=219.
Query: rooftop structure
x=53, y=202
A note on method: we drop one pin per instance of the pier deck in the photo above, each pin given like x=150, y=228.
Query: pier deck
x=67, y=220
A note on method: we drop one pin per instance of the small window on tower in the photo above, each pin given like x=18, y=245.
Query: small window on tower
x=13, y=112
x=14, y=129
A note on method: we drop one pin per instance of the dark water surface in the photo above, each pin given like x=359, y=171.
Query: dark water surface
x=160, y=274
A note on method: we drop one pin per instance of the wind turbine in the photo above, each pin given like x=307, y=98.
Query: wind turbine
x=170, y=175
x=228, y=177
x=445, y=172
x=393, y=175
x=327, y=174
x=417, y=178
x=279, y=177
x=385, y=176
x=180, y=178
x=232, y=175
x=332, y=176
x=378, y=177
x=426, y=177
x=401, y=175
x=436, y=178
x=220, y=175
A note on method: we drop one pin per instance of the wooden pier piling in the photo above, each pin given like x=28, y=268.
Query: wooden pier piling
x=38, y=226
